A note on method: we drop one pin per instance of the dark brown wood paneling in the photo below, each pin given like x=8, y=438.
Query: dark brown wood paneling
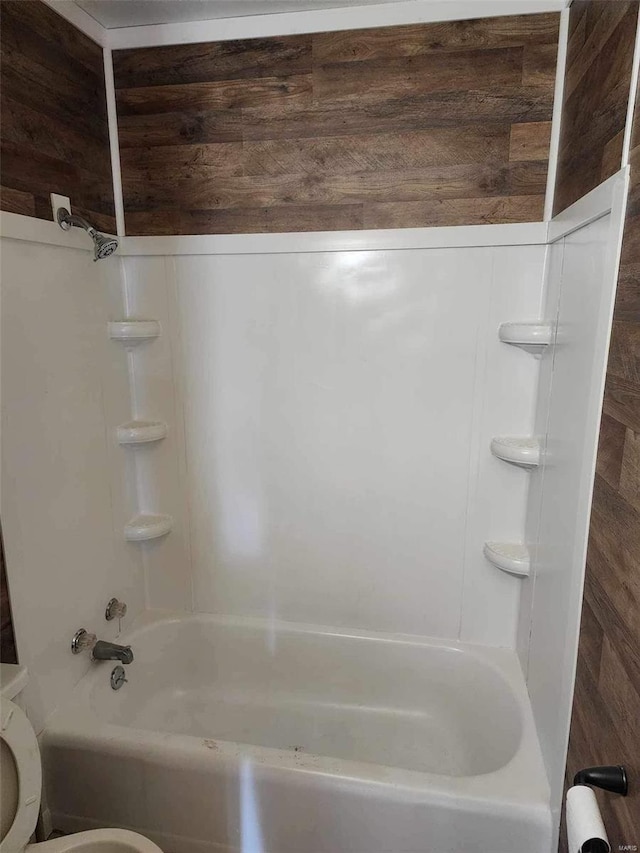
x=417, y=40
x=209, y=61
x=53, y=128
x=8, y=652
x=431, y=124
x=606, y=708
x=596, y=96
x=454, y=110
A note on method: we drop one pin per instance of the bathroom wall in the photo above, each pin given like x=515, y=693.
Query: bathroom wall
x=606, y=705
x=62, y=468
x=53, y=128
x=428, y=124
x=337, y=410
x=596, y=94
x=63, y=487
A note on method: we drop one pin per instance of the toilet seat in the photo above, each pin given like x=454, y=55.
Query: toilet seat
x=21, y=789
x=18, y=735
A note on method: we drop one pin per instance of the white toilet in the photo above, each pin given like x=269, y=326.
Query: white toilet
x=20, y=789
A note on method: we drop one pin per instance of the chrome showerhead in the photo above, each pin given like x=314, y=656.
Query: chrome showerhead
x=102, y=246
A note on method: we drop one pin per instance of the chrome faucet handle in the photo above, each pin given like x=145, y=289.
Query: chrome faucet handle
x=83, y=641
x=115, y=610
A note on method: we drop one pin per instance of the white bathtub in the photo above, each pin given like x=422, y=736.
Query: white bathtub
x=238, y=735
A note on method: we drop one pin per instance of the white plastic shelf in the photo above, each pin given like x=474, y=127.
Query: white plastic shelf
x=533, y=337
x=144, y=527
x=510, y=557
x=141, y=432
x=519, y=450
x=133, y=332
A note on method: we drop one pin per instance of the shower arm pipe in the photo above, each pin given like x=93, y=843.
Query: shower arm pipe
x=67, y=220
x=102, y=246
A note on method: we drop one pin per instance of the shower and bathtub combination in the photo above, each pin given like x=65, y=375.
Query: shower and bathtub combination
x=254, y=716
x=323, y=495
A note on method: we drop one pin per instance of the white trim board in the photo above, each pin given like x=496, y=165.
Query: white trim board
x=324, y=20
x=631, y=103
x=556, y=120
x=114, y=141
x=590, y=207
x=288, y=23
x=15, y=226
x=517, y=234
x=80, y=19
x=19, y=227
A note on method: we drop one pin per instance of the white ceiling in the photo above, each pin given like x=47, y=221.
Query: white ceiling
x=134, y=13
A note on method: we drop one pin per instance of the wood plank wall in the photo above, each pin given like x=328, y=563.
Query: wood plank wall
x=53, y=117
x=8, y=652
x=432, y=124
x=596, y=94
x=606, y=708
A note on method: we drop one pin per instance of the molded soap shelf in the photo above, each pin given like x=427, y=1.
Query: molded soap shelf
x=144, y=527
x=133, y=332
x=519, y=450
x=141, y=432
x=532, y=337
x=510, y=557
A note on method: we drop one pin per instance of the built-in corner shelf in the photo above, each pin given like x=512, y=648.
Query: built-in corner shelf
x=532, y=337
x=144, y=527
x=134, y=332
x=510, y=557
x=141, y=432
x=519, y=450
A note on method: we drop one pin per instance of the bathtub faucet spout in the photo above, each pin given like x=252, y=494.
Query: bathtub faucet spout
x=104, y=650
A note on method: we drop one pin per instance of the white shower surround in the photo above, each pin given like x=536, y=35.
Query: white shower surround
x=257, y=736
x=330, y=418
x=579, y=299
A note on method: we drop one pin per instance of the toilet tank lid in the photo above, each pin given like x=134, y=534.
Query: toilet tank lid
x=13, y=679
